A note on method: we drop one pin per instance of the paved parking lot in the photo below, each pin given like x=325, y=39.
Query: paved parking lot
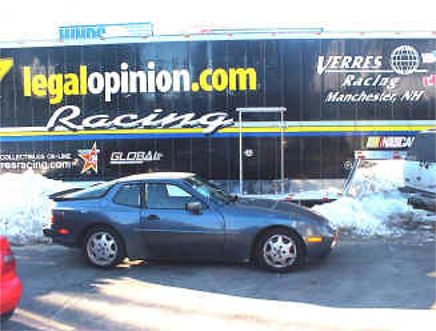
x=340, y=293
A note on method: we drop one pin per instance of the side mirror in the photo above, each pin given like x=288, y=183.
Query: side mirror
x=194, y=207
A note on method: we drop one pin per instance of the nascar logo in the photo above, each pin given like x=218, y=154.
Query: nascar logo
x=389, y=142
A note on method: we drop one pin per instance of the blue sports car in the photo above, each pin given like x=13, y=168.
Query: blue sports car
x=180, y=216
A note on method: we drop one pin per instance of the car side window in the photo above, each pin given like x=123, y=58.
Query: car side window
x=166, y=196
x=128, y=195
x=174, y=191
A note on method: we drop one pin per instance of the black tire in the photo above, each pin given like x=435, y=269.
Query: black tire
x=296, y=248
x=115, y=244
x=6, y=316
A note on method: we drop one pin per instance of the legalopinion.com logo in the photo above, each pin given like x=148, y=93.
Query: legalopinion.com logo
x=55, y=86
x=5, y=66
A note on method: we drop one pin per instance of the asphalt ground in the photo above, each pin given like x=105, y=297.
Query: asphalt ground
x=365, y=284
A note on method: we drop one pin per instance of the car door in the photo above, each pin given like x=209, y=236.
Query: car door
x=427, y=161
x=420, y=166
x=171, y=231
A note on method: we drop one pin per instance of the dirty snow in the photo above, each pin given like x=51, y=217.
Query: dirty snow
x=372, y=205
x=25, y=206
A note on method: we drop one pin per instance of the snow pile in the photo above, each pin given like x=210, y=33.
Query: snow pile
x=377, y=176
x=371, y=215
x=373, y=203
x=25, y=206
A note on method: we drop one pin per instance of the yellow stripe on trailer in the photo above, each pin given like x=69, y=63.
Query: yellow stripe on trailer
x=302, y=129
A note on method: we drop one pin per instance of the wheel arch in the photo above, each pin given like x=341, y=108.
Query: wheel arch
x=262, y=231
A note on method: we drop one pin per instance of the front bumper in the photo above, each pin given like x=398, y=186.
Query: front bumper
x=322, y=248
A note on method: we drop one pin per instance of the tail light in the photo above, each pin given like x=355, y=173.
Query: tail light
x=63, y=231
x=359, y=155
x=56, y=216
x=396, y=156
x=7, y=260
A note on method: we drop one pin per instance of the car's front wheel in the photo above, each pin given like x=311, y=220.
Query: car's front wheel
x=280, y=250
x=103, y=247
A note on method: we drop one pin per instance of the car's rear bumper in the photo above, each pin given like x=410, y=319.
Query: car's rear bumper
x=62, y=239
x=322, y=248
x=10, y=290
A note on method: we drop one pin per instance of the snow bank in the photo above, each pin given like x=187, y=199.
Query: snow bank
x=25, y=206
x=370, y=215
x=377, y=176
x=373, y=203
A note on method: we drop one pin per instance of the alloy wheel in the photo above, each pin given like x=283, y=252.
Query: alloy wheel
x=279, y=251
x=102, y=248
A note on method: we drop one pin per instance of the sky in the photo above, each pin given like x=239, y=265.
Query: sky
x=30, y=20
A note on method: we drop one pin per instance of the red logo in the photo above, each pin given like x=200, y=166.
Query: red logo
x=429, y=80
x=90, y=158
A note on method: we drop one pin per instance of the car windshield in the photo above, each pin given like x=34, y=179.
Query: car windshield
x=208, y=189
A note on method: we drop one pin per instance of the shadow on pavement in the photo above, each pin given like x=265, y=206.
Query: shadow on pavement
x=60, y=288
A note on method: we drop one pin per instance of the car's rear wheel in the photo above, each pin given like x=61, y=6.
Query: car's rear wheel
x=280, y=250
x=103, y=247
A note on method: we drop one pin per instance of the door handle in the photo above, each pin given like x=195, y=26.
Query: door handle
x=153, y=218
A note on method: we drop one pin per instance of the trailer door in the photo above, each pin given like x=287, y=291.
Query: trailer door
x=273, y=119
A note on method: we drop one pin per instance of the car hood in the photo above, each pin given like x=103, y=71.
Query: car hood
x=279, y=207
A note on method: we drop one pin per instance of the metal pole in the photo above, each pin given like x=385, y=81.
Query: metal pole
x=241, y=174
x=282, y=151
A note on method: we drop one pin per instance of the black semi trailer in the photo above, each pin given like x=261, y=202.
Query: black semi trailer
x=265, y=111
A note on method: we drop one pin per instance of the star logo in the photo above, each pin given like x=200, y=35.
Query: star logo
x=90, y=158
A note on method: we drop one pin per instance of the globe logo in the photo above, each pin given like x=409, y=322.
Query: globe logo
x=405, y=60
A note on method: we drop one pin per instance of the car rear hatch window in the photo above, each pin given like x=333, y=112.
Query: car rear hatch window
x=93, y=192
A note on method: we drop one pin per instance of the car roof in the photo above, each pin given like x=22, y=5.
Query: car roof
x=157, y=175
